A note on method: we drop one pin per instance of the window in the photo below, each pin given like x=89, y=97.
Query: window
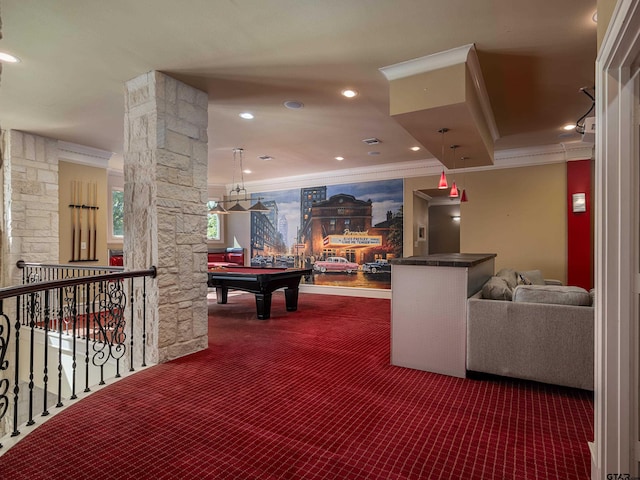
x=213, y=222
x=117, y=212
x=214, y=227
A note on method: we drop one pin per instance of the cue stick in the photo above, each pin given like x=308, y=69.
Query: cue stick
x=95, y=219
x=89, y=187
x=73, y=220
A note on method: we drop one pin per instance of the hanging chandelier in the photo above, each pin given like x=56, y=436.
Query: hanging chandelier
x=238, y=193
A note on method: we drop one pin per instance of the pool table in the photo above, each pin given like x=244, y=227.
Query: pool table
x=260, y=281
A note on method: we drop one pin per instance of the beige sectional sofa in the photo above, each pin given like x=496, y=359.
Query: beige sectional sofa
x=543, y=333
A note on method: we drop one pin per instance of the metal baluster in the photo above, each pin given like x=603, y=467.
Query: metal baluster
x=16, y=388
x=32, y=325
x=101, y=330
x=144, y=321
x=87, y=319
x=74, y=336
x=60, y=321
x=45, y=377
x=131, y=296
x=4, y=364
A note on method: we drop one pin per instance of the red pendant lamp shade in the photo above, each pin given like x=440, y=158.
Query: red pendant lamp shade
x=463, y=197
x=443, y=178
x=454, y=191
x=443, y=181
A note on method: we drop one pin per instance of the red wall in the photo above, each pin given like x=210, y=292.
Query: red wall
x=579, y=226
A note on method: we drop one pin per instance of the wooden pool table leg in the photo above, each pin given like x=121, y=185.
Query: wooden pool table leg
x=263, y=305
x=291, y=299
x=221, y=294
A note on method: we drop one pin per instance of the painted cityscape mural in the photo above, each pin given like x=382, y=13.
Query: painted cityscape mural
x=345, y=233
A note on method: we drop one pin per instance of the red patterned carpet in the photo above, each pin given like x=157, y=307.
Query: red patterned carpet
x=308, y=394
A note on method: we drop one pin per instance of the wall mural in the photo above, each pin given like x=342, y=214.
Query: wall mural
x=345, y=233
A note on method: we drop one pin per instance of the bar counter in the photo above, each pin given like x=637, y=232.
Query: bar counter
x=429, y=309
x=445, y=259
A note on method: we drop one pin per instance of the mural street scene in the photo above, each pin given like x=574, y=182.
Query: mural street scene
x=345, y=233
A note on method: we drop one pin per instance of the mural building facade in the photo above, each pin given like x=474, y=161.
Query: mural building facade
x=345, y=233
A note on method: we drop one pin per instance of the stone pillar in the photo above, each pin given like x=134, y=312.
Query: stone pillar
x=165, y=218
x=30, y=202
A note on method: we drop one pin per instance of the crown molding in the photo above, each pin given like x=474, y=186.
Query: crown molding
x=513, y=158
x=81, y=154
x=481, y=90
x=388, y=171
x=427, y=63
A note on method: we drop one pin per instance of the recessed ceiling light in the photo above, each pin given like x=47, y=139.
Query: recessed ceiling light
x=293, y=104
x=349, y=93
x=373, y=153
x=265, y=157
x=569, y=126
x=415, y=149
x=246, y=115
x=246, y=171
x=8, y=58
x=339, y=158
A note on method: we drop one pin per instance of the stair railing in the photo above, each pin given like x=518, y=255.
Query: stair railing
x=67, y=325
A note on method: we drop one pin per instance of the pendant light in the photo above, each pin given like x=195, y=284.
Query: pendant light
x=258, y=206
x=219, y=209
x=237, y=208
x=454, y=189
x=443, y=178
x=463, y=197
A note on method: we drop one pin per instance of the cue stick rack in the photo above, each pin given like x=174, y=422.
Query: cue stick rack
x=84, y=225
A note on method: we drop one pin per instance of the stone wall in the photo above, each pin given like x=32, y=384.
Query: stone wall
x=30, y=202
x=165, y=218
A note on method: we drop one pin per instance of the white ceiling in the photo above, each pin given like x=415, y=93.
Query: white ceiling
x=252, y=55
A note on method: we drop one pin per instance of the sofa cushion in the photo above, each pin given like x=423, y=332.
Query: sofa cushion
x=496, y=288
x=554, y=294
x=531, y=277
x=510, y=275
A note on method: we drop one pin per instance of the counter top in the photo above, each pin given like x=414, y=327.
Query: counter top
x=445, y=259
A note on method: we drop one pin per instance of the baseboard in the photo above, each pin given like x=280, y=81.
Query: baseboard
x=346, y=291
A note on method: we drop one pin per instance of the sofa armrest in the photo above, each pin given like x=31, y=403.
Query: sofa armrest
x=552, y=281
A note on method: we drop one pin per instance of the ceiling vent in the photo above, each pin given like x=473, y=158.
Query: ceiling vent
x=371, y=141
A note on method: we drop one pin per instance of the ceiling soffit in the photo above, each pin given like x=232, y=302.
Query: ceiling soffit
x=445, y=90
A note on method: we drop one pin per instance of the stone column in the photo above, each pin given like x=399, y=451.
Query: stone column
x=165, y=219
x=29, y=225
x=30, y=202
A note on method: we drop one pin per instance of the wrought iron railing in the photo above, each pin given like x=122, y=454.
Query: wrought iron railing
x=79, y=324
x=42, y=272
